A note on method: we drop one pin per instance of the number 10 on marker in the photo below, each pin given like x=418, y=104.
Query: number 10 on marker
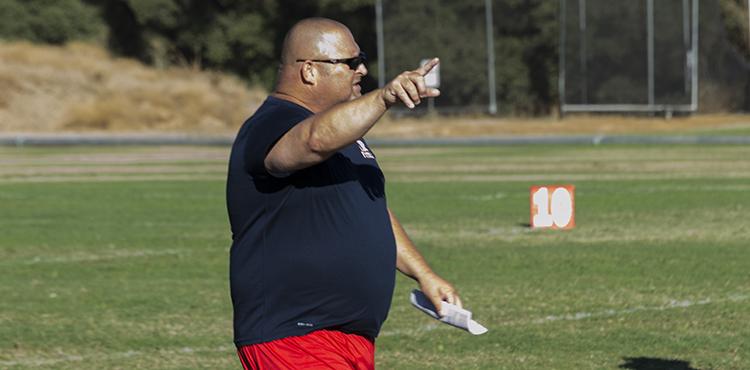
x=553, y=206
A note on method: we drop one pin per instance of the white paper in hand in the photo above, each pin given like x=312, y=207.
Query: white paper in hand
x=454, y=315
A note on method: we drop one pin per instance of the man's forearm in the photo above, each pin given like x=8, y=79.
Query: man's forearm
x=344, y=123
x=408, y=259
x=318, y=137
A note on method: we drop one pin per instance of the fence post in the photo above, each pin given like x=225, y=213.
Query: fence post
x=381, y=47
x=561, y=55
x=490, y=56
x=650, y=52
x=582, y=36
x=694, y=54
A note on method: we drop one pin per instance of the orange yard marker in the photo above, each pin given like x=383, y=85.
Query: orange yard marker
x=552, y=206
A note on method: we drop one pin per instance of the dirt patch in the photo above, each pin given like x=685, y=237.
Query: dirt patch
x=110, y=178
x=623, y=167
x=115, y=164
x=556, y=177
x=413, y=128
x=123, y=156
x=104, y=170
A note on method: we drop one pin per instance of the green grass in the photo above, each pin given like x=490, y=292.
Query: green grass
x=128, y=269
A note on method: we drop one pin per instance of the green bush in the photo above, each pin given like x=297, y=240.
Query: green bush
x=49, y=21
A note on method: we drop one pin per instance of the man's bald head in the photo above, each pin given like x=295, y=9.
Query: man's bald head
x=317, y=38
x=308, y=74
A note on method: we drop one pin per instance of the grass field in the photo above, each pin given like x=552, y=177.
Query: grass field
x=116, y=258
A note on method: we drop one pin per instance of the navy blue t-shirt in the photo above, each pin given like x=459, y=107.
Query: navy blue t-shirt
x=311, y=250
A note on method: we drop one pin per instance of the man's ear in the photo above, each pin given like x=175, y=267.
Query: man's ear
x=308, y=74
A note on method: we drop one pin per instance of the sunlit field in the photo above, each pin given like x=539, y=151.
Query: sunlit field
x=116, y=258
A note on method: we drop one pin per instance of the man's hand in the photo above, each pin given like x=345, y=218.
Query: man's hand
x=437, y=290
x=409, y=86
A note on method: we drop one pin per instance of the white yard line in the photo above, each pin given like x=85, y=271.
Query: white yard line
x=669, y=306
x=675, y=304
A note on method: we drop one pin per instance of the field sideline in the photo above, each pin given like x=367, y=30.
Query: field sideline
x=116, y=258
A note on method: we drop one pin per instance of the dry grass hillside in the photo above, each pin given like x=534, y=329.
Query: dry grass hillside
x=81, y=87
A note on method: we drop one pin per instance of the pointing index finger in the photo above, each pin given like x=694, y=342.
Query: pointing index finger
x=427, y=67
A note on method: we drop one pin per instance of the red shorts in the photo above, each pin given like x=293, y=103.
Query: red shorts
x=321, y=349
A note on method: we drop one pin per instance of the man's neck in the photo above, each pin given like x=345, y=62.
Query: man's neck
x=291, y=98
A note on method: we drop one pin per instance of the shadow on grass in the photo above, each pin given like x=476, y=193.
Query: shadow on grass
x=646, y=363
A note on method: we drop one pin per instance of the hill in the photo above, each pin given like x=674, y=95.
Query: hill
x=81, y=87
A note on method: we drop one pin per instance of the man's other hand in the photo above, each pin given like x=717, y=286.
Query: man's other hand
x=437, y=290
x=409, y=87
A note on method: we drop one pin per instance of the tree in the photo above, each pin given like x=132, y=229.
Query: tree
x=524, y=45
x=48, y=21
x=242, y=37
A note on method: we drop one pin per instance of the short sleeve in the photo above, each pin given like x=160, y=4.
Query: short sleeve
x=263, y=133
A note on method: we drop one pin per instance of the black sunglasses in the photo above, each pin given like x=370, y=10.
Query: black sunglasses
x=353, y=62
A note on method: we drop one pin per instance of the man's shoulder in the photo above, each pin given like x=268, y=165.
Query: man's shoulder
x=274, y=110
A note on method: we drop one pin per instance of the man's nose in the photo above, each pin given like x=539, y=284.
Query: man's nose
x=361, y=69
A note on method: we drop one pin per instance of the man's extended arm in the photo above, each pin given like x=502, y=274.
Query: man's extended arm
x=411, y=263
x=318, y=137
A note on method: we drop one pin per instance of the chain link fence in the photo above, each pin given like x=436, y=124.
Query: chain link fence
x=572, y=55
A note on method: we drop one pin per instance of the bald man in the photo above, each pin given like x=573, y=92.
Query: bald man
x=315, y=247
